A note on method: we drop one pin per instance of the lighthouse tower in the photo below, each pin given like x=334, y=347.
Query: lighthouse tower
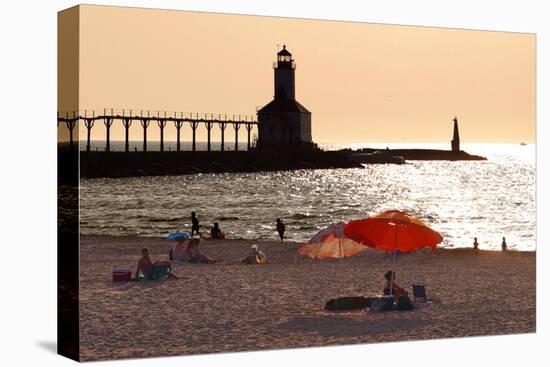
x=455, y=143
x=284, y=75
x=284, y=121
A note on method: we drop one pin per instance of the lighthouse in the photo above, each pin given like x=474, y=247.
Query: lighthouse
x=284, y=121
x=284, y=75
x=455, y=143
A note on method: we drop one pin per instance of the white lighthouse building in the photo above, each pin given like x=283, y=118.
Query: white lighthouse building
x=284, y=121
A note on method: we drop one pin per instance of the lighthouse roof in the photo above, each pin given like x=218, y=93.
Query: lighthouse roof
x=279, y=105
x=284, y=52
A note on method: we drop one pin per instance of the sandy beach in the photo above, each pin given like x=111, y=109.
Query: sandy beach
x=229, y=306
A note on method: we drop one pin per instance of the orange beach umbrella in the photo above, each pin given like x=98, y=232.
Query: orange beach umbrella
x=392, y=230
x=330, y=242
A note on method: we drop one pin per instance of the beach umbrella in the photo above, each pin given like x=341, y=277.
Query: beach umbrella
x=330, y=242
x=393, y=230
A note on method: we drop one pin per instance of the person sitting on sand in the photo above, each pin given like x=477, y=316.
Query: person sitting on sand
x=144, y=264
x=475, y=243
x=280, y=229
x=194, y=224
x=216, y=233
x=504, y=245
x=146, y=268
x=193, y=254
x=255, y=257
x=390, y=284
x=178, y=250
x=400, y=295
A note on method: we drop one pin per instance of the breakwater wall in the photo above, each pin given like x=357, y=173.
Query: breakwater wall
x=421, y=154
x=131, y=164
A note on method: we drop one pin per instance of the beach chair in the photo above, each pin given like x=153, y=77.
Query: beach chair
x=419, y=292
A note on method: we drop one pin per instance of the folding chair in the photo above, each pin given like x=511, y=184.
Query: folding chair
x=419, y=292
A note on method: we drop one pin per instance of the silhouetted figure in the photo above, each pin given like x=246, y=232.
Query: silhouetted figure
x=280, y=229
x=194, y=224
x=216, y=232
x=475, y=243
x=504, y=245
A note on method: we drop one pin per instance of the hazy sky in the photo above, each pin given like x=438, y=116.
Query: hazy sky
x=362, y=82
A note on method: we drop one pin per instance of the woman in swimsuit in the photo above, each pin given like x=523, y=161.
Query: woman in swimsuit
x=194, y=255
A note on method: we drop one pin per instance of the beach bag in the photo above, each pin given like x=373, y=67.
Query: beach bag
x=345, y=304
x=404, y=303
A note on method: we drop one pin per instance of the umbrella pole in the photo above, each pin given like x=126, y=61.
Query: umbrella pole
x=394, y=254
x=340, y=245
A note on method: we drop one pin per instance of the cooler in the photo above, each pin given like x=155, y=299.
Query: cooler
x=121, y=275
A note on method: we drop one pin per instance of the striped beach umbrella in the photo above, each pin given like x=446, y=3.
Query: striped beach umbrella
x=330, y=243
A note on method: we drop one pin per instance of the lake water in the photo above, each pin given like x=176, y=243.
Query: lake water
x=461, y=200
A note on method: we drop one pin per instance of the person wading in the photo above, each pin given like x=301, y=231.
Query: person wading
x=194, y=224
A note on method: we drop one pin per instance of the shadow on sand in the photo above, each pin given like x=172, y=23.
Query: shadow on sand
x=337, y=325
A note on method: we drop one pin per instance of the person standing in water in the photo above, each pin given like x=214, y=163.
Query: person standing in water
x=280, y=229
x=194, y=224
x=475, y=243
x=504, y=245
